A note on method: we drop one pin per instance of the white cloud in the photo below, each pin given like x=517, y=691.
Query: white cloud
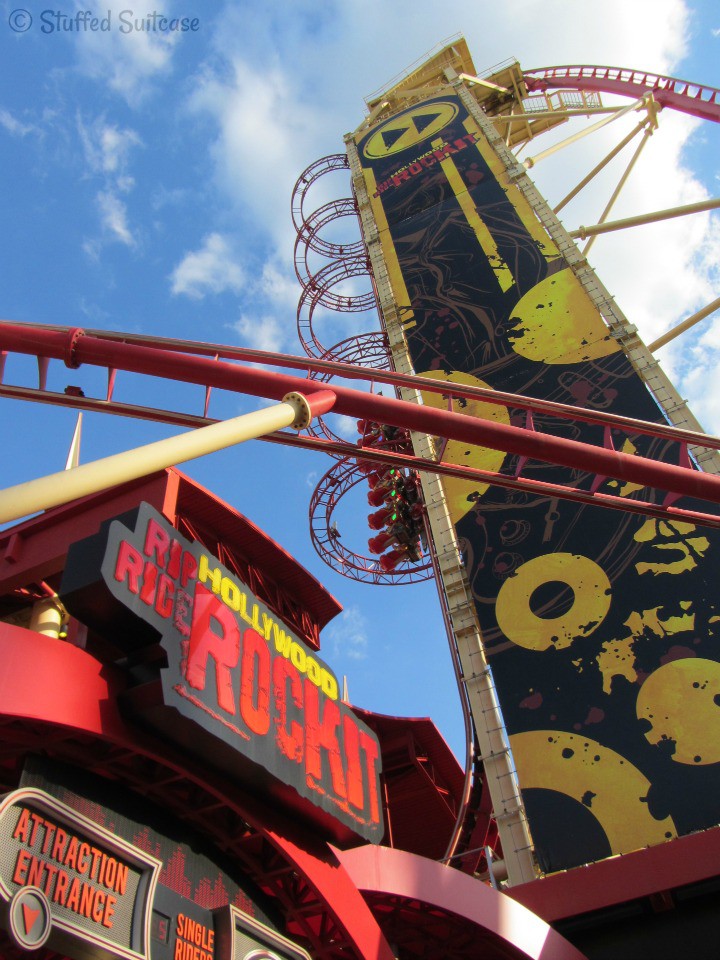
x=126, y=58
x=700, y=368
x=348, y=634
x=646, y=34
x=279, y=285
x=211, y=269
x=113, y=216
x=14, y=126
x=106, y=147
x=261, y=333
x=345, y=427
x=91, y=249
x=95, y=314
x=262, y=128
x=164, y=197
x=125, y=184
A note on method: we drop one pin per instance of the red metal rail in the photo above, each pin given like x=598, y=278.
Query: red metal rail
x=698, y=101
x=75, y=347
x=343, y=449
x=380, y=375
x=337, y=161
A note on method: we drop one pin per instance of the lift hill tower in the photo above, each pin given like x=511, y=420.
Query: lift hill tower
x=586, y=636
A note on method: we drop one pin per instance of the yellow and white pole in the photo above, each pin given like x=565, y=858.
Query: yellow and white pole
x=295, y=411
x=584, y=232
x=685, y=325
x=645, y=100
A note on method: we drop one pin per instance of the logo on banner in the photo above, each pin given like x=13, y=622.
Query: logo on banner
x=410, y=128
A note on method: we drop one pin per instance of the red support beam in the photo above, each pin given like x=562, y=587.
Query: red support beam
x=79, y=705
x=74, y=347
x=663, y=511
x=353, y=371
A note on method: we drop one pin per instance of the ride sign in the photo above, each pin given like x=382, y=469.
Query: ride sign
x=63, y=875
x=240, y=689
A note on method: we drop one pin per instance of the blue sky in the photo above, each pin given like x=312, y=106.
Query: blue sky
x=146, y=188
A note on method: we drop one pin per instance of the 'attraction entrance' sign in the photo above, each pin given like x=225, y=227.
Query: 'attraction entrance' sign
x=63, y=875
x=240, y=688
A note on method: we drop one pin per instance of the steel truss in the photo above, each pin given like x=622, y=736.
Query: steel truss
x=692, y=98
x=182, y=361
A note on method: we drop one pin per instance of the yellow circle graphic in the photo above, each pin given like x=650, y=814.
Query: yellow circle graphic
x=607, y=784
x=415, y=126
x=558, y=323
x=591, y=603
x=681, y=702
x=459, y=492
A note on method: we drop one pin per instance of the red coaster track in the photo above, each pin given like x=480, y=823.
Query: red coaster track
x=698, y=101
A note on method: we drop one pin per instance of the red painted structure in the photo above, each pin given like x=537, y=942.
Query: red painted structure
x=59, y=699
x=405, y=887
x=698, y=101
x=75, y=347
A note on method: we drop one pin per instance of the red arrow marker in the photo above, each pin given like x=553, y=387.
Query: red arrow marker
x=29, y=917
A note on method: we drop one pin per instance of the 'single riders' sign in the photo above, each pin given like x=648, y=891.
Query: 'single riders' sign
x=240, y=689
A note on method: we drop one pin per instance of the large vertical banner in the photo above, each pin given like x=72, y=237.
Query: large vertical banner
x=600, y=626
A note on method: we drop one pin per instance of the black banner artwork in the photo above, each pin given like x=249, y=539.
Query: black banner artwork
x=600, y=626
